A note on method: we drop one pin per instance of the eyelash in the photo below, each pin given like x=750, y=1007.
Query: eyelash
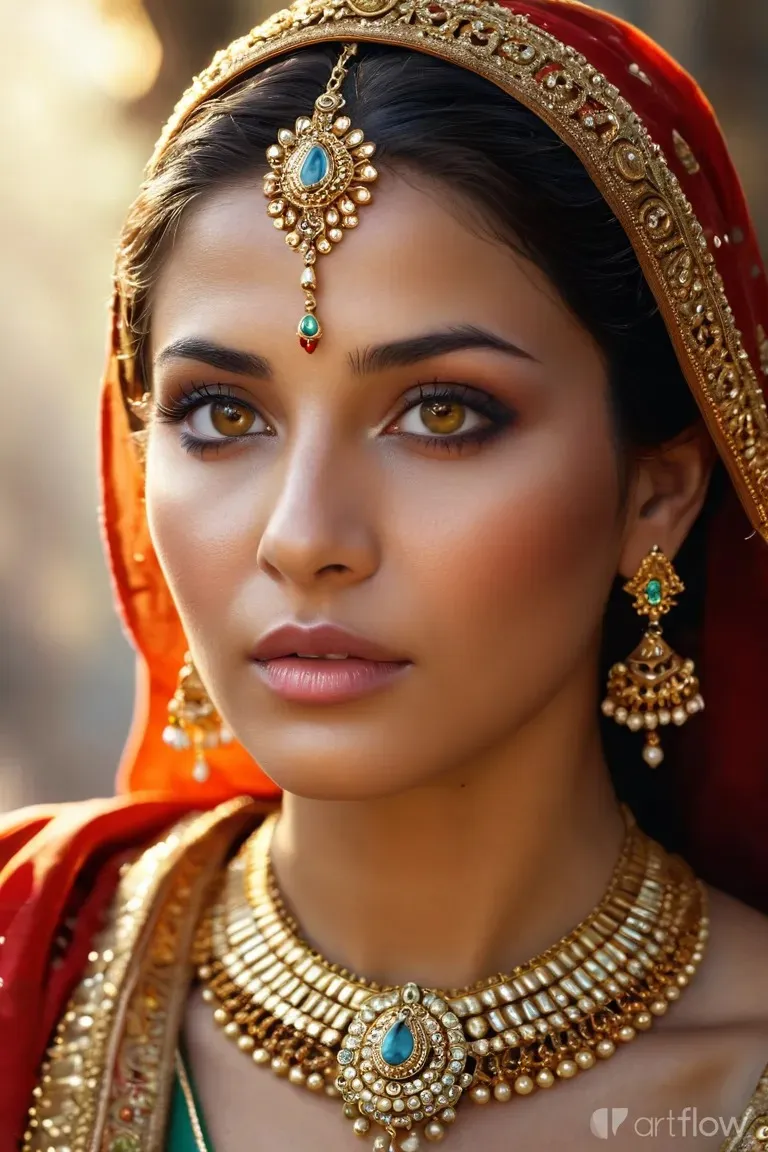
x=178, y=408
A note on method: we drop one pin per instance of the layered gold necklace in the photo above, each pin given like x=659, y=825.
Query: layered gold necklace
x=402, y=1058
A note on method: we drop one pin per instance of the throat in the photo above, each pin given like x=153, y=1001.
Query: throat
x=398, y=893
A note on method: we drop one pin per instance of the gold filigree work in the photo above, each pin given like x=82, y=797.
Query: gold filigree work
x=762, y=344
x=105, y=1082
x=685, y=154
x=590, y=114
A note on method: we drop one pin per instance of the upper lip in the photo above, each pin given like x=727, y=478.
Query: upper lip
x=320, y=640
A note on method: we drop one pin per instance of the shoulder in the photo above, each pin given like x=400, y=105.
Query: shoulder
x=730, y=988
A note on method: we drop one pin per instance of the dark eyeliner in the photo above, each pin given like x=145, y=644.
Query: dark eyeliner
x=499, y=413
x=176, y=408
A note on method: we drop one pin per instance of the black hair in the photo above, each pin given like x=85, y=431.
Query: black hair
x=432, y=118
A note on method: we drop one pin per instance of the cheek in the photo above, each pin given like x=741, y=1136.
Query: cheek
x=203, y=519
x=519, y=561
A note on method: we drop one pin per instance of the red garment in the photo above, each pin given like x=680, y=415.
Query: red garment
x=62, y=862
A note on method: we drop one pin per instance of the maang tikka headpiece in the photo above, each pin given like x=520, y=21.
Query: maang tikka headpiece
x=320, y=174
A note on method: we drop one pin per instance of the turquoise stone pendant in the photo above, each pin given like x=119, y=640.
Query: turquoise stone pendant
x=403, y=1062
x=398, y=1044
x=321, y=172
x=315, y=168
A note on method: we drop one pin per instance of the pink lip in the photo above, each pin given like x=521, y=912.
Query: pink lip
x=327, y=681
x=321, y=640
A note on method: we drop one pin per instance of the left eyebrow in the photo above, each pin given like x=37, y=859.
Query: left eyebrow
x=217, y=356
x=401, y=353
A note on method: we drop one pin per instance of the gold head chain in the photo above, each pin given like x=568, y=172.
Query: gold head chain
x=321, y=169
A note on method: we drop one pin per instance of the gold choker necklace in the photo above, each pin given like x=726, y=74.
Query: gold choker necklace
x=402, y=1058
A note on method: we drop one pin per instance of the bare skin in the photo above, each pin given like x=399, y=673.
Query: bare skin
x=489, y=569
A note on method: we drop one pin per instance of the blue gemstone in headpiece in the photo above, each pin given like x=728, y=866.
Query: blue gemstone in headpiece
x=315, y=167
x=398, y=1044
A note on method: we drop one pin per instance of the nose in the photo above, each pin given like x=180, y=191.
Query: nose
x=319, y=532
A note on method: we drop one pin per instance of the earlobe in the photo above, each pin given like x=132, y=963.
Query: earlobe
x=668, y=493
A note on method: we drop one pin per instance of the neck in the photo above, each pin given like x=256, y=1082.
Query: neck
x=455, y=881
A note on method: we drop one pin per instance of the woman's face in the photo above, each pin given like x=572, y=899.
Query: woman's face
x=439, y=477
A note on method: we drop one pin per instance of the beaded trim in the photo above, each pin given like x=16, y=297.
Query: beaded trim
x=106, y=1080
x=599, y=124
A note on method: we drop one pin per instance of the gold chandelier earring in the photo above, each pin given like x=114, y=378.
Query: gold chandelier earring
x=654, y=686
x=193, y=721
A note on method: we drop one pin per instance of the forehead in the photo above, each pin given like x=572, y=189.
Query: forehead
x=419, y=259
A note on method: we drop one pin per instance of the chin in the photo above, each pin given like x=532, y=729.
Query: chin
x=327, y=771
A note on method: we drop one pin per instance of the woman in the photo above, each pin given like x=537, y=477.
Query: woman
x=533, y=384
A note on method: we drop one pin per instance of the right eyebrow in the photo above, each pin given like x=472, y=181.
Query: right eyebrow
x=217, y=356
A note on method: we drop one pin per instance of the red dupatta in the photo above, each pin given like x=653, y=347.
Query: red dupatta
x=590, y=76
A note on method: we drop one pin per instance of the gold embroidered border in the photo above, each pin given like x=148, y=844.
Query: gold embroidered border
x=595, y=120
x=104, y=1085
x=753, y=1125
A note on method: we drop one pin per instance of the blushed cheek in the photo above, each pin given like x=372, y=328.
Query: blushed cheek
x=203, y=532
x=528, y=576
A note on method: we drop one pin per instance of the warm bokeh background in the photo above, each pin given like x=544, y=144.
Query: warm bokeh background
x=86, y=85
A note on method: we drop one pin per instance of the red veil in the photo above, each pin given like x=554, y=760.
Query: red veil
x=600, y=84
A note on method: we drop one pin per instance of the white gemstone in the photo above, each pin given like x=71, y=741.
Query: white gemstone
x=621, y=715
x=679, y=716
x=664, y=716
x=653, y=755
x=651, y=720
x=634, y=722
x=175, y=737
x=201, y=771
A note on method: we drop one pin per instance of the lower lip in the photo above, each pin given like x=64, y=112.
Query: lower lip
x=327, y=681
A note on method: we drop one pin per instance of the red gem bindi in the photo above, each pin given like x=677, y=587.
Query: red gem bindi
x=308, y=345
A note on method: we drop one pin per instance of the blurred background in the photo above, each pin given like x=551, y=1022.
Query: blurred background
x=86, y=87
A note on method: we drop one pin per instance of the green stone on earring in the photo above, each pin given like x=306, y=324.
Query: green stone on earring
x=653, y=592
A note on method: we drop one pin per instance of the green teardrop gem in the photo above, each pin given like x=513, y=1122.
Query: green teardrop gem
x=308, y=326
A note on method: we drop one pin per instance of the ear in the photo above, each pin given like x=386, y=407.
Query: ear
x=667, y=492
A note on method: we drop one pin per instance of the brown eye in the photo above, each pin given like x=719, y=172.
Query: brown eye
x=443, y=417
x=230, y=418
x=222, y=419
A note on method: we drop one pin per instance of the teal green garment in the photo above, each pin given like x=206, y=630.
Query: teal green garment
x=181, y=1138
